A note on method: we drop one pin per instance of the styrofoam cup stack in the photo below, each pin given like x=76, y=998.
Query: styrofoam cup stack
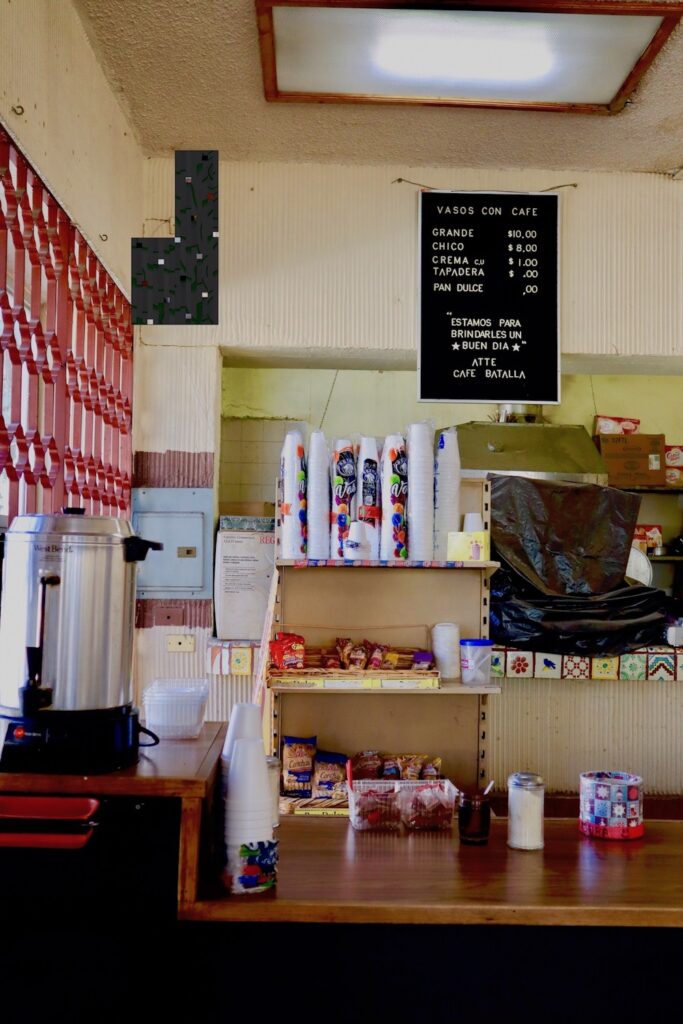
x=446, y=649
x=318, y=497
x=245, y=723
x=420, y=448
x=394, y=531
x=293, y=506
x=343, y=501
x=249, y=802
x=370, y=493
x=446, y=490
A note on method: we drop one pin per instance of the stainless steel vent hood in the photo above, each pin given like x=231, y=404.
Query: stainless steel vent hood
x=546, y=451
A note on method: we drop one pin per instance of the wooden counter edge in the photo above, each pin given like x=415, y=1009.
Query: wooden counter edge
x=245, y=909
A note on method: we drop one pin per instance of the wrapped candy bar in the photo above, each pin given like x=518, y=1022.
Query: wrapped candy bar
x=377, y=652
x=344, y=648
x=358, y=656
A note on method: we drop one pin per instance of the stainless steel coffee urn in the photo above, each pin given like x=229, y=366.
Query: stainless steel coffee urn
x=67, y=622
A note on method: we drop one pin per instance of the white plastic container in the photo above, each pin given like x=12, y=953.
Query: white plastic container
x=446, y=648
x=174, y=708
x=475, y=662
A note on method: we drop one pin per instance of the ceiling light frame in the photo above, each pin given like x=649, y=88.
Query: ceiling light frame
x=671, y=14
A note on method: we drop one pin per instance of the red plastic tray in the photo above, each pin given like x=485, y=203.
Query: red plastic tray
x=48, y=808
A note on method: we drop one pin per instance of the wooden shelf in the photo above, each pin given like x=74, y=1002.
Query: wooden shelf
x=665, y=558
x=372, y=564
x=653, y=490
x=445, y=690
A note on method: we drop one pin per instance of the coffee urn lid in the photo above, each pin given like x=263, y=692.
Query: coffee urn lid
x=69, y=525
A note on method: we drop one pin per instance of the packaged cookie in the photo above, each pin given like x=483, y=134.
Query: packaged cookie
x=298, y=755
x=329, y=775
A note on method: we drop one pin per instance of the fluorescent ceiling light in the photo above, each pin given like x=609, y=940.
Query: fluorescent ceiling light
x=459, y=50
x=564, y=59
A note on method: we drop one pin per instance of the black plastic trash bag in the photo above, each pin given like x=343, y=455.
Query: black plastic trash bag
x=623, y=620
x=563, y=549
x=563, y=538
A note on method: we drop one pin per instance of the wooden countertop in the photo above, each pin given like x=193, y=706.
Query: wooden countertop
x=330, y=873
x=176, y=768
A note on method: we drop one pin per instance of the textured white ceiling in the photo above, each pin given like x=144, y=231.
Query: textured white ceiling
x=188, y=73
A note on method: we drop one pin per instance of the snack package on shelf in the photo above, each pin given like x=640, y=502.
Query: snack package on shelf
x=423, y=661
x=298, y=756
x=367, y=764
x=329, y=775
x=287, y=651
x=410, y=765
x=616, y=425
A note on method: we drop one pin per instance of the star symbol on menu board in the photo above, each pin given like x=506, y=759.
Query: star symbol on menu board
x=455, y=346
x=515, y=347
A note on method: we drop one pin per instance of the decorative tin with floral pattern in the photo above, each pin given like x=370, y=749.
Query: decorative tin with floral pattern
x=611, y=805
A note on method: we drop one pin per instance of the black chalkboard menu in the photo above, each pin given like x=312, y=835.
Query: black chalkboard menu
x=489, y=297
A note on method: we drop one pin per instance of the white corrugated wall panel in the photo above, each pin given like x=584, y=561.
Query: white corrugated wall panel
x=324, y=257
x=561, y=728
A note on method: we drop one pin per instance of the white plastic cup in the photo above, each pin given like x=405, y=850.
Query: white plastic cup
x=245, y=723
x=475, y=662
x=446, y=649
x=473, y=522
x=248, y=783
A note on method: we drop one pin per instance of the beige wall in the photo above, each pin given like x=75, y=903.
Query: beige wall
x=72, y=130
x=319, y=262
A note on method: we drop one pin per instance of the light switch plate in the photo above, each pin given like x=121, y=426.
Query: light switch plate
x=181, y=642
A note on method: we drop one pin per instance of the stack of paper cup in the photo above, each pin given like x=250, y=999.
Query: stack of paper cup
x=318, y=497
x=394, y=532
x=369, y=493
x=293, y=506
x=446, y=491
x=245, y=723
x=446, y=649
x=420, y=447
x=344, y=484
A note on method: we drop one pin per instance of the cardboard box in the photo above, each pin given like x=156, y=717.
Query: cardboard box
x=245, y=561
x=469, y=547
x=634, y=460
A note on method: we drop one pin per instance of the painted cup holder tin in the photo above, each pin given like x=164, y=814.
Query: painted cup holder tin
x=611, y=805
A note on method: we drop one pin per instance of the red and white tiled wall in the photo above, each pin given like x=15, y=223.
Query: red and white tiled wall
x=662, y=664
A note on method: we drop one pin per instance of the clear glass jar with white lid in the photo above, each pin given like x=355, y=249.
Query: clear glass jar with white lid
x=526, y=792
